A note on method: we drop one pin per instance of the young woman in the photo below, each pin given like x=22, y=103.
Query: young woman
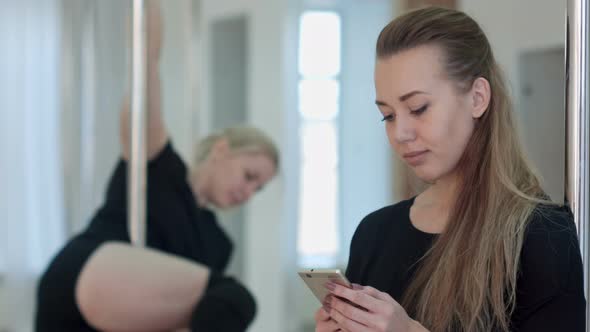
x=100, y=282
x=482, y=248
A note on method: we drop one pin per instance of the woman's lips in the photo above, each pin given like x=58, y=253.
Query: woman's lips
x=415, y=158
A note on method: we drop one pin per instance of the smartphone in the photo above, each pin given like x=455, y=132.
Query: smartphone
x=315, y=279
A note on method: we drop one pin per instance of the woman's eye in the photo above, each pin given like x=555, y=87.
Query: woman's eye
x=249, y=176
x=419, y=110
x=388, y=118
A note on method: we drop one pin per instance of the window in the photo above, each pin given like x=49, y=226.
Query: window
x=319, y=95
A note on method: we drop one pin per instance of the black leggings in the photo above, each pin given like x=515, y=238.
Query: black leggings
x=226, y=306
x=56, y=300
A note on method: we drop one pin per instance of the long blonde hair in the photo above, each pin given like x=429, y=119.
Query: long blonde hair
x=467, y=280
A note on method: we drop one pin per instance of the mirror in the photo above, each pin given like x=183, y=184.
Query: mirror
x=300, y=71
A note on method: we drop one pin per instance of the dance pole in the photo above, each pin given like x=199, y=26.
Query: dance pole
x=136, y=170
x=577, y=127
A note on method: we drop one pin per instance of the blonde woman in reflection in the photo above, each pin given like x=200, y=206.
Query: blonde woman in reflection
x=482, y=248
x=100, y=282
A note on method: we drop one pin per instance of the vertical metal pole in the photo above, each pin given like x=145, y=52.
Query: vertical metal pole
x=136, y=171
x=577, y=118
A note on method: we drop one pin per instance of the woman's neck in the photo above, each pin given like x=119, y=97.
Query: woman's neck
x=443, y=192
x=198, y=185
x=432, y=207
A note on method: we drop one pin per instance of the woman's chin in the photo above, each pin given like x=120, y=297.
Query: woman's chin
x=226, y=203
x=223, y=205
x=425, y=176
x=219, y=204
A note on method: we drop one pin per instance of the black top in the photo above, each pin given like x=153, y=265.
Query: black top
x=386, y=247
x=175, y=224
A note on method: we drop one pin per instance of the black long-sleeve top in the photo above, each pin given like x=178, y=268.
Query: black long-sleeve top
x=386, y=247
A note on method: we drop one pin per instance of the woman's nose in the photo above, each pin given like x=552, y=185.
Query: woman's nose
x=404, y=130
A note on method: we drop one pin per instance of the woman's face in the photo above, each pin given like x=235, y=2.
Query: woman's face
x=428, y=121
x=236, y=176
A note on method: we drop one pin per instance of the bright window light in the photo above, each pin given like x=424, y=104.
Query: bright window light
x=319, y=95
x=317, y=226
x=319, y=148
x=318, y=99
x=319, y=44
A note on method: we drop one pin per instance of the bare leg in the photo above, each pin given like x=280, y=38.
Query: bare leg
x=125, y=289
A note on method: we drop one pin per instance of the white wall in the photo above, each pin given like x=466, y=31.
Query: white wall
x=101, y=97
x=30, y=167
x=179, y=72
x=209, y=11
x=515, y=26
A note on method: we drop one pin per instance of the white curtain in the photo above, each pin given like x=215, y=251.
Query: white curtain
x=31, y=204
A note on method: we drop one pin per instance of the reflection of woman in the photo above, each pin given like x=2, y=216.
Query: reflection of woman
x=100, y=282
x=481, y=249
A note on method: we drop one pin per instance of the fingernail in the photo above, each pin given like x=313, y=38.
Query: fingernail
x=330, y=286
x=328, y=308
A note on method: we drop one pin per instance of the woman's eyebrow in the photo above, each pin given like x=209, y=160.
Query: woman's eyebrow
x=411, y=94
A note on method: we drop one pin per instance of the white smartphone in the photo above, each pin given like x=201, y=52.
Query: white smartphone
x=315, y=279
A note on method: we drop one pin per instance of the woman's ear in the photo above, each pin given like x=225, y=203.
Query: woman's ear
x=481, y=95
x=220, y=149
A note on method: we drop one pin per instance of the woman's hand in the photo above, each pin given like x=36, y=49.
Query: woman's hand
x=368, y=310
x=154, y=31
x=323, y=322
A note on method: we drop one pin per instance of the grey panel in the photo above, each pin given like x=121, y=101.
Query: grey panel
x=229, y=75
x=542, y=115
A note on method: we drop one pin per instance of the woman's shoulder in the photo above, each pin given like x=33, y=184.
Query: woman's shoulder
x=551, y=218
x=167, y=159
x=550, y=251
x=551, y=229
x=376, y=220
x=550, y=285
